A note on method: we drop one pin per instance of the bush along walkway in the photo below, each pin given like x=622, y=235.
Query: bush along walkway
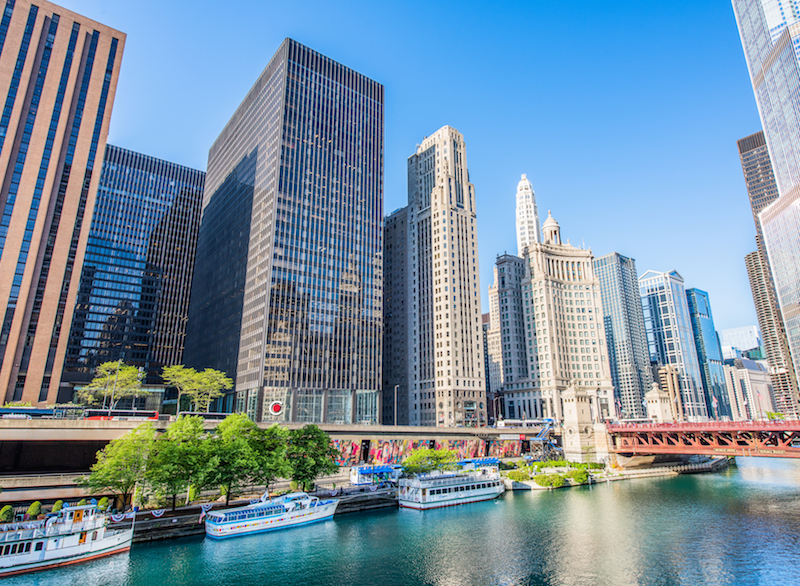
x=553, y=474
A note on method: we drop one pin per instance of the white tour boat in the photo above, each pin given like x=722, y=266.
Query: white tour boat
x=289, y=510
x=479, y=480
x=74, y=534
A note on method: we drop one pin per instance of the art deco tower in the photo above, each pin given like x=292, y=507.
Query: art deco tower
x=59, y=73
x=528, y=229
x=287, y=295
x=445, y=347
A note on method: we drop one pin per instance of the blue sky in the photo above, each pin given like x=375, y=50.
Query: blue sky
x=624, y=115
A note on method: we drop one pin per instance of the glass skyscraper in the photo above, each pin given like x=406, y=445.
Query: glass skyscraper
x=625, y=333
x=58, y=71
x=287, y=295
x=709, y=354
x=133, y=299
x=670, y=337
x=770, y=34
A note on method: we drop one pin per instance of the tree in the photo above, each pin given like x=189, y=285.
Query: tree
x=113, y=381
x=311, y=455
x=211, y=384
x=426, y=460
x=34, y=510
x=185, y=380
x=179, y=457
x=270, y=445
x=102, y=505
x=122, y=463
x=7, y=514
x=233, y=457
x=57, y=506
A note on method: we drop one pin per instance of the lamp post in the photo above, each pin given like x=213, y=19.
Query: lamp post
x=113, y=390
x=394, y=419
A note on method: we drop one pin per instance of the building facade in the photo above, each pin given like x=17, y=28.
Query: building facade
x=670, y=337
x=741, y=338
x=625, y=334
x=565, y=335
x=395, y=318
x=133, y=298
x=445, y=347
x=770, y=35
x=60, y=72
x=709, y=354
x=750, y=389
x=762, y=191
x=528, y=228
x=287, y=293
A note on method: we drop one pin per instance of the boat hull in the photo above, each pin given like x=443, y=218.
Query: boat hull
x=118, y=543
x=448, y=503
x=271, y=523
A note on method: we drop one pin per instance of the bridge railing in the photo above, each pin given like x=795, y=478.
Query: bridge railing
x=765, y=425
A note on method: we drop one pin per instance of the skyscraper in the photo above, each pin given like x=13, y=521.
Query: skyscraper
x=444, y=331
x=287, y=293
x=60, y=72
x=625, y=334
x=670, y=337
x=762, y=191
x=771, y=40
x=395, y=318
x=709, y=354
x=528, y=230
x=565, y=336
x=133, y=299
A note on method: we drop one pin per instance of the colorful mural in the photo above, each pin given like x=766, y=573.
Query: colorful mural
x=395, y=451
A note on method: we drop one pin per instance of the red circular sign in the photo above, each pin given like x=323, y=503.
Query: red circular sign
x=276, y=408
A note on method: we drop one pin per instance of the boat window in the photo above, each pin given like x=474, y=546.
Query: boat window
x=39, y=545
x=5, y=549
x=13, y=549
x=27, y=547
x=94, y=536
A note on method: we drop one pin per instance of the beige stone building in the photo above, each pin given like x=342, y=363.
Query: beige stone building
x=58, y=72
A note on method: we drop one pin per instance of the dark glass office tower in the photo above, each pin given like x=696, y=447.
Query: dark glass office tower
x=288, y=288
x=709, y=354
x=133, y=299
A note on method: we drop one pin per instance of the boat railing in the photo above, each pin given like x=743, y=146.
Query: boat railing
x=39, y=529
x=451, y=480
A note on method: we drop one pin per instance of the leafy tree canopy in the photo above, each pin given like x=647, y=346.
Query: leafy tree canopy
x=311, y=455
x=113, y=381
x=427, y=460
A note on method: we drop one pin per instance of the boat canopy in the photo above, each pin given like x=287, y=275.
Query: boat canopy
x=480, y=461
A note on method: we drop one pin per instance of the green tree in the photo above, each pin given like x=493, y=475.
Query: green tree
x=233, y=455
x=34, y=510
x=102, y=505
x=210, y=385
x=185, y=380
x=180, y=457
x=7, y=514
x=122, y=464
x=113, y=381
x=311, y=455
x=427, y=460
x=270, y=446
x=57, y=506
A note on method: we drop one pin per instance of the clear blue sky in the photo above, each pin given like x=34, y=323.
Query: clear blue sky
x=624, y=115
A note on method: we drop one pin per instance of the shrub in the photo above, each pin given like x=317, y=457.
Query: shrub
x=103, y=504
x=81, y=503
x=6, y=514
x=57, y=506
x=34, y=510
x=550, y=480
x=519, y=475
x=580, y=476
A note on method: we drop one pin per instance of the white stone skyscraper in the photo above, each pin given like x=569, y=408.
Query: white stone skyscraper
x=528, y=229
x=445, y=349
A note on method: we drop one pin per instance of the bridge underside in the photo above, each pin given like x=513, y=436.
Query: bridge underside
x=777, y=443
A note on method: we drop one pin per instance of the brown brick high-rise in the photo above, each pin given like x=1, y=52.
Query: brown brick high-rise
x=58, y=76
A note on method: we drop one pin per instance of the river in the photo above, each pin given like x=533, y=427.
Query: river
x=740, y=526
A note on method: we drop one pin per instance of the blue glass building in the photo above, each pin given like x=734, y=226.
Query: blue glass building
x=133, y=299
x=709, y=354
x=287, y=296
x=625, y=333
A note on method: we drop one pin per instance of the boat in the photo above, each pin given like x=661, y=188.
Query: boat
x=369, y=475
x=478, y=480
x=72, y=535
x=291, y=510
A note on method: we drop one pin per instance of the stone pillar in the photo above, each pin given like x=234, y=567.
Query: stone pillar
x=578, y=429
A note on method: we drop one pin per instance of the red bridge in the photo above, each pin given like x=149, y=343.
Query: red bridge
x=778, y=439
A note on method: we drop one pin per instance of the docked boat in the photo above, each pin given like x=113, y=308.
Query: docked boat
x=478, y=480
x=297, y=508
x=75, y=534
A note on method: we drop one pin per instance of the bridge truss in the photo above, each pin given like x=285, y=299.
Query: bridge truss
x=778, y=439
